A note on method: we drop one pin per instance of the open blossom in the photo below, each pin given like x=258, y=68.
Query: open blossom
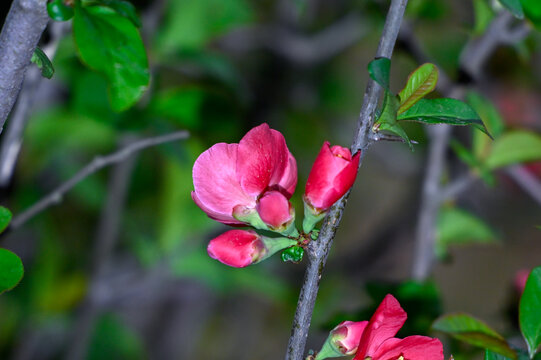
x=377, y=341
x=230, y=179
x=332, y=175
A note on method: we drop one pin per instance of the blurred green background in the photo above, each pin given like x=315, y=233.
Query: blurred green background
x=219, y=68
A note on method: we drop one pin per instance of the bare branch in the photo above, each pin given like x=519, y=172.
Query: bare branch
x=319, y=250
x=98, y=163
x=474, y=55
x=528, y=182
x=21, y=32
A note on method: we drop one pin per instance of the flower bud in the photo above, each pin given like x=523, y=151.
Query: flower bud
x=237, y=248
x=332, y=175
x=275, y=210
x=240, y=248
x=343, y=340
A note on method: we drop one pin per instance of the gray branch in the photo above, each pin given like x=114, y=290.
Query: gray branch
x=98, y=163
x=528, y=182
x=21, y=32
x=13, y=138
x=319, y=250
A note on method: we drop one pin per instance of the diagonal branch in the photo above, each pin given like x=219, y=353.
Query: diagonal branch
x=21, y=32
x=319, y=250
x=97, y=164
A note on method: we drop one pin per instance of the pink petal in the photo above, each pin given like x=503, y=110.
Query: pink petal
x=384, y=324
x=274, y=209
x=262, y=158
x=217, y=190
x=225, y=219
x=288, y=182
x=411, y=348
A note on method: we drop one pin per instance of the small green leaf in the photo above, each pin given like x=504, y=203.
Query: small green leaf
x=124, y=8
x=43, y=63
x=473, y=162
x=5, y=218
x=380, y=70
x=473, y=331
x=293, y=254
x=513, y=148
x=483, y=16
x=490, y=355
x=530, y=311
x=492, y=120
x=459, y=227
x=514, y=7
x=387, y=119
x=420, y=83
x=11, y=270
x=443, y=111
x=110, y=44
x=532, y=11
x=59, y=11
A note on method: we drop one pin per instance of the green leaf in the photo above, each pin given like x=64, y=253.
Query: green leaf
x=293, y=254
x=5, y=218
x=514, y=7
x=11, y=270
x=459, y=227
x=443, y=111
x=43, y=63
x=513, y=148
x=124, y=8
x=420, y=83
x=387, y=119
x=483, y=16
x=473, y=331
x=492, y=120
x=532, y=11
x=59, y=11
x=490, y=355
x=530, y=311
x=110, y=44
x=473, y=162
x=380, y=70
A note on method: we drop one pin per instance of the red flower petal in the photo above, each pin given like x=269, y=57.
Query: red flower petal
x=217, y=190
x=411, y=348
x=384, y=324
x=288, y=182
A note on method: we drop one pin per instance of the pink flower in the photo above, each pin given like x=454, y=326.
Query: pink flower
x=378, y=342
x=347, y=335
x=237, y=248
x=332, y=175
x=229, y=179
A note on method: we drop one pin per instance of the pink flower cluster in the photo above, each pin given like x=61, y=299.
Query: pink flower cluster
x=375, y=339
x=250, y=183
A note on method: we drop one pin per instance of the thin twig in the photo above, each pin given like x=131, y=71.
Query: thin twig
x=457, y=186
x=98, y=163
x=106, y=238
x=21, y=32
x=527, y=181
x=319, y=250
